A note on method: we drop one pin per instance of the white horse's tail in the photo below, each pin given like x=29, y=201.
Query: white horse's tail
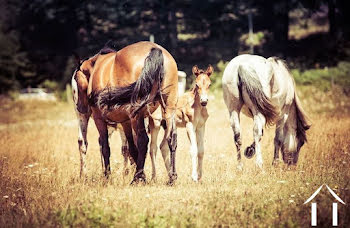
x=249, y=82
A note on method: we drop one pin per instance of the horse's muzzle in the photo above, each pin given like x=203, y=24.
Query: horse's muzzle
x=204, y=103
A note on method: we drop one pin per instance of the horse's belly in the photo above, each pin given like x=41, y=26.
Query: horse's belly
x=117, y=116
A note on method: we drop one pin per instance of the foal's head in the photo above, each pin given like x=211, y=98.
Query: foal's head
x=202, y=83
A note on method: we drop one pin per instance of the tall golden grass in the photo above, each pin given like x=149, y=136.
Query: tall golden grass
x=40, y=184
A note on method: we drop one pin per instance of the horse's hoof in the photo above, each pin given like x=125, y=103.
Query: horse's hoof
x=240, y=167
x=275, y=163
x=249, y=151
x=195, y=178
x=126, y=172
x=138, y=181
x=172, y=179
x=139, y=178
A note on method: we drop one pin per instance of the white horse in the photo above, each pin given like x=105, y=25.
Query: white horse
x=266, y=89
x=192, y=114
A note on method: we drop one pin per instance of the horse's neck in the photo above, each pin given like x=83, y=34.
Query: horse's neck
x=88, y=65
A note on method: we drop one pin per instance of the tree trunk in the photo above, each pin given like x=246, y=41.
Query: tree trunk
x=281, y=24
x=172, y=26
x=332, y=20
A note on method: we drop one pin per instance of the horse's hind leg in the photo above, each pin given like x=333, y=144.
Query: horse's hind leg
x=82, y=140
x=235, y=125
x=140, y=136
x=259, y=123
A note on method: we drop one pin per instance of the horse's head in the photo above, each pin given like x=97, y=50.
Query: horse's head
x=291, y=146
x=295, y=133
x=202, y=83
x=290, y=156
x=79, y=87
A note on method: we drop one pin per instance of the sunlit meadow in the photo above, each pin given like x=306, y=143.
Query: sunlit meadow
x=40, y=184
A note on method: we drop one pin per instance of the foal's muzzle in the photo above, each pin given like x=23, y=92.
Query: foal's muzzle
x=204, y=103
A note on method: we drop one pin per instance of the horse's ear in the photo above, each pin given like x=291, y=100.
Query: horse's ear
x=77, y=59
x=195, y=70
x=209, y=70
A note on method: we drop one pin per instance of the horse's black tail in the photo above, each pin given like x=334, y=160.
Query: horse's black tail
x=137, y=94
x=249, y=82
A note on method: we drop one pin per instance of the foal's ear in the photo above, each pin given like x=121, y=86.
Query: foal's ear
x=209, y=70
x=195, y=70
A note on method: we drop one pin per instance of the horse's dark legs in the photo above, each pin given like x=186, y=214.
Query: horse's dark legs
x=138, y=128
x=104, y=145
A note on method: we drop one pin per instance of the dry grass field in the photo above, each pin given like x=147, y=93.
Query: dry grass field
x=40, y=184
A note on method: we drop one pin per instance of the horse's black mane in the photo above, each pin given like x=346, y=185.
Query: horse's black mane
x=109, y=47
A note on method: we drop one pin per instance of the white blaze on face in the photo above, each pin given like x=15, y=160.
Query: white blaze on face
x=75, y=90
x=204, y=97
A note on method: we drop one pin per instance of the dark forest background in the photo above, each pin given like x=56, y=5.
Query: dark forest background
x=38, y=37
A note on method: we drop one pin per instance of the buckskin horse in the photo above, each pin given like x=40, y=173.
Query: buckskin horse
x=192, y=114
x=80, y=82
x=125, y=87
x=266, y=91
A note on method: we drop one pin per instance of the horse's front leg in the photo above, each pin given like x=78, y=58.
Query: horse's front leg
x=82, y=140
x=191, y=133
x=200, y=145
x=104, y=144
x=278, y=142
x=140, y=136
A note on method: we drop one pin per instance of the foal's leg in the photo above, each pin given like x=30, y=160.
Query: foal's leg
x=200, y=146
x=104, y=145
x=191, y=133
x=82, y=140
x=138, y=127
x=154, y=126
x=259, y=123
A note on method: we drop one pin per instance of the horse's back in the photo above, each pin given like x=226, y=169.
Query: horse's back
x=124, y=67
